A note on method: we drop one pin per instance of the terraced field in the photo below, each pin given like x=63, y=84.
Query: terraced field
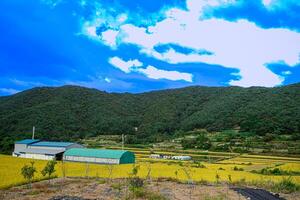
x=223, y=167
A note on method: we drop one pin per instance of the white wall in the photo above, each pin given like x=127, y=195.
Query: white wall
x=19, y=147
x=92, y=160
x=35, y=156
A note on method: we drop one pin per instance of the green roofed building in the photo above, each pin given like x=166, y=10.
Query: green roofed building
x=101, y=156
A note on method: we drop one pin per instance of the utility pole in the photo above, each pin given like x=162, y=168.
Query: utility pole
x=33, y=130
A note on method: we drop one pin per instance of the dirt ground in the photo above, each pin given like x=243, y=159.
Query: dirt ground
x=102, y=189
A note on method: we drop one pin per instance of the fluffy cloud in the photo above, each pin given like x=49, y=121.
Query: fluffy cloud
x=154, y=73
x=286, y=73
x=150, y=71
x=125, y=66
x=239, y=44
x=279, y=4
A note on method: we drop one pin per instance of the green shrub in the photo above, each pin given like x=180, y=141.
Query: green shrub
x=138, y=192
x=101, y=181
x=199, y=165
x=136, y=182
x=237, y=169
x=276, y=171
x=155, y=196
x=116, y=186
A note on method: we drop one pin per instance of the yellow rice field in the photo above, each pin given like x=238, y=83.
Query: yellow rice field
x=10, y=168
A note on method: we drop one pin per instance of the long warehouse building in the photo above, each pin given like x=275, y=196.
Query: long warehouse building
x=101, y=156
x=43, y=150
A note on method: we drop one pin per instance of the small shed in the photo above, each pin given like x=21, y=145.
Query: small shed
x=101, y=156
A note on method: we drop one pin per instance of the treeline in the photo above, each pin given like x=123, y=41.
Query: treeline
x=71, y=112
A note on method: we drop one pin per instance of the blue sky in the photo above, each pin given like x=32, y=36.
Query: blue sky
x=144, y=45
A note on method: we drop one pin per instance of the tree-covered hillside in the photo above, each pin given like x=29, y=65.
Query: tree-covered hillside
x=71, y=112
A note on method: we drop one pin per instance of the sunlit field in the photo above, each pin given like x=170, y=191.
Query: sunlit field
x=236, y=169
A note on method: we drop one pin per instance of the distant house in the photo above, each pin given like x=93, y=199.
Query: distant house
x=161, y=156
x=101, y=156
x=155, y=156
x=43, y=150
x=181, y=157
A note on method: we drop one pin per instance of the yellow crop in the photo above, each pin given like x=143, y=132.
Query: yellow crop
x=10, y=170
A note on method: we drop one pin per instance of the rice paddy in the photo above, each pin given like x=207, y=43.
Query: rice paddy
x=224, y=168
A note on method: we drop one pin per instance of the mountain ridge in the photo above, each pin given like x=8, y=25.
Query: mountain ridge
x=151, y=91
x=73, y=112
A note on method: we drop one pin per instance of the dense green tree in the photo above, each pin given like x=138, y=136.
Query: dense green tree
x=71, y=112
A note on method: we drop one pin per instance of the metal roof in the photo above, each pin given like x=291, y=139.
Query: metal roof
x=41, y=151
x=27, y=141
x=98, y=153
x=52, y=144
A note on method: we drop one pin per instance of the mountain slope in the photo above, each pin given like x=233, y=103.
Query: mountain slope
x=72, y=112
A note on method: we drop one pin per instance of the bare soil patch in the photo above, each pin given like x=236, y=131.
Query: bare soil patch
x=103, y=189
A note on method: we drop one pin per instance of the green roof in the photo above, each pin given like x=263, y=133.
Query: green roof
x=98, y=153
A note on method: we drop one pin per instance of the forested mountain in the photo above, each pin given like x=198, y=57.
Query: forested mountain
x=71, y=112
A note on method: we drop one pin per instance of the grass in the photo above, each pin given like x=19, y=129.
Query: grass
x=286, y=185
x=10, y=168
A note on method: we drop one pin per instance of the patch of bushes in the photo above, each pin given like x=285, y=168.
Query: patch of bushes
x=101, y=181
x=142, y=193
x=136, y=182
x=117, y=186
x=199, y=165
x=276, y=172
x=237, y=169
x=136, y=186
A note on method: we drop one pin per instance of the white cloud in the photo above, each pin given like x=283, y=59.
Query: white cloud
x=9, y=91
x=122, y=18
x=26, y=83
x=108, y=80
x=240, y=44
x=286, y=73
x=151, y=72
x=101, y=83
x=279, y=4
x=125, y=66
x=110, y=37
x=91, y=30
x=266, y=2
x=154, y=73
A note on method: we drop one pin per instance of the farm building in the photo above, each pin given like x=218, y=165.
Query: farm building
x=101, y=156
x=43, y=150
x=160, y=156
